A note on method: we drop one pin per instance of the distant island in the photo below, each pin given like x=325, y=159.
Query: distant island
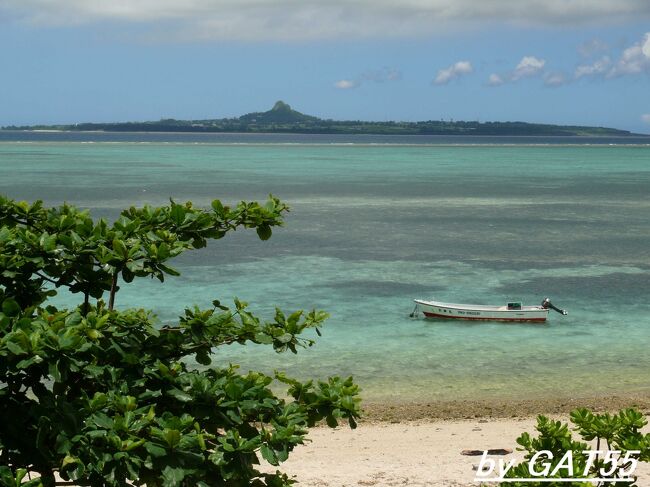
x=283, y=119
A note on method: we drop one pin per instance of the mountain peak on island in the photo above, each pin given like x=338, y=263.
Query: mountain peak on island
x=281, y=106
x=280, y=113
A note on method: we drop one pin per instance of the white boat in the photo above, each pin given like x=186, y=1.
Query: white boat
x=508, y=312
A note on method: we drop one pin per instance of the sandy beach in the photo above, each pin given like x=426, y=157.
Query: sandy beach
x=412, y=454
x=398, y=445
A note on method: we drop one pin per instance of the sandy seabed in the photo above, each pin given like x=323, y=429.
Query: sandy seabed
x=420, y=445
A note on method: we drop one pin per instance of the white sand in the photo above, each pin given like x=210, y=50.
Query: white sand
x=410, y=454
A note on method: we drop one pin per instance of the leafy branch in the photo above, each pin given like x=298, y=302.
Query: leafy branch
x=106, y=397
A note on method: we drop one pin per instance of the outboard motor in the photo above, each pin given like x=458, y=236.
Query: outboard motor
x=548, y=305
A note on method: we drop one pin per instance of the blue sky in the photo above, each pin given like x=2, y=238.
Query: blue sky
x=551, y=61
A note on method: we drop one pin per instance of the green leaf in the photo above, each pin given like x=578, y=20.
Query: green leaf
x=154, y=450
x=6, y=477
x=168, y=270
x=240, y=305
x=203, y=357
x=67, y=460
x=15, y=348
x=10, y=307
x=77, y=472
x=73, y=319
x=217, y=207
x=285, y=338
x=172, y=437
x=217, y=304
x=163, y=251
x=48, y=242
x=264, y=232
x=263, y=338
x=23, y=364
x=172, y=477
x=177, y=214
x=5, y=234
x=120, y=248
x=102, y=420
x=99, y=400
x=179, y=395
x=269, y=455
x=127, y=275
x=217, y=458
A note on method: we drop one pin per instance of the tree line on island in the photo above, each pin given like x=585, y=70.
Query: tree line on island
x=283, y=119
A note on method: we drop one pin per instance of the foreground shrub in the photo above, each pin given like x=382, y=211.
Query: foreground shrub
x=620, y=433
x=101, y=396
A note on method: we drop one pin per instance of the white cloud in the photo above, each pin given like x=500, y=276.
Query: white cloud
x=646, y=117
x=495, y=80
x=381, y=75
x=555, y=79
x=592, y=47
x=600, y=66
x=375, y=75
x=289, y=20
x=634, y=60
x=346, y=84
x=454, y=71
x=528, y=67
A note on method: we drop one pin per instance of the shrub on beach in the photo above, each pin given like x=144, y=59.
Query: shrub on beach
x=99, y=396
x=555, y=454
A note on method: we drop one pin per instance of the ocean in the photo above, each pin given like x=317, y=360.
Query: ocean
x=378, y=221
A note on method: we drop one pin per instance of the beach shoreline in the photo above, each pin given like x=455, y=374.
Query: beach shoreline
x=401, y=411
x=421, y=446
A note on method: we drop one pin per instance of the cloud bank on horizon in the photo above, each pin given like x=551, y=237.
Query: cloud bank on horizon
x=634, y=59
x=288, y=20
x=171, y=21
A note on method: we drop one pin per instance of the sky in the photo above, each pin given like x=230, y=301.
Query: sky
x=574, y=62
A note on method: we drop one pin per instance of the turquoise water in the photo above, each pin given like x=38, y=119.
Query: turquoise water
x=373, y=227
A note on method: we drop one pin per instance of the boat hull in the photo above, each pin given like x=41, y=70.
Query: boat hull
x=525, y=314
